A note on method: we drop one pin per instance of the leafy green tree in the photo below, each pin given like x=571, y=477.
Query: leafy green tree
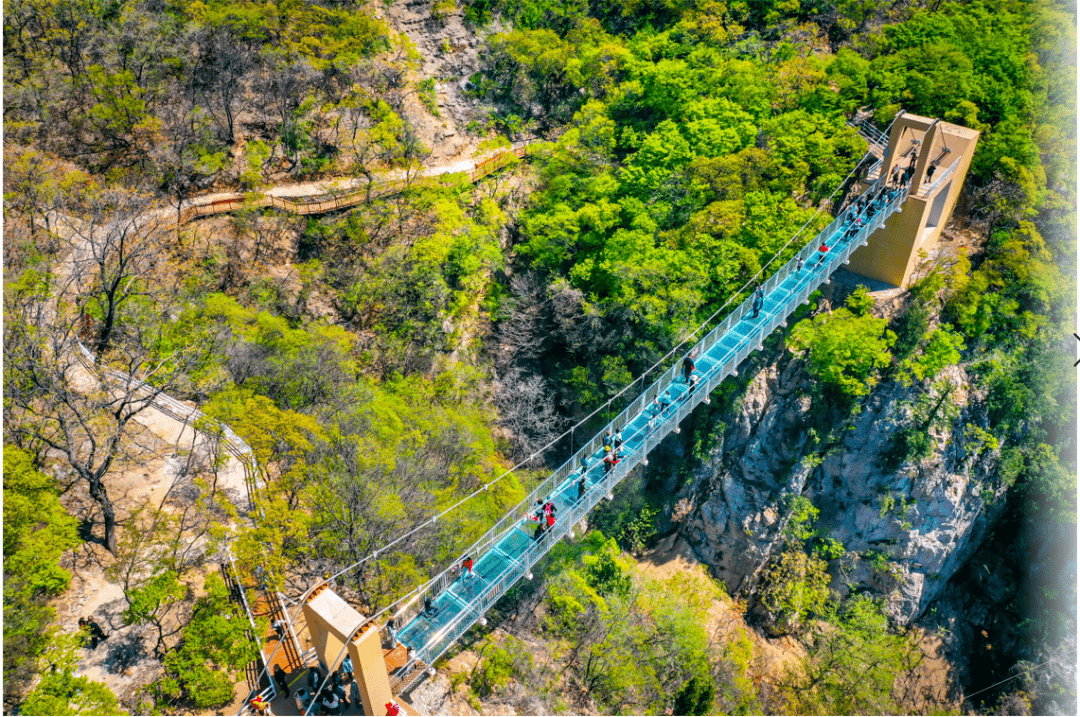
x=216, y=646
x=37, y=529
x=37, y=532
x=795, y=587
x=942, y=348
x=60, y=691
x=844, y=350
x=854, y=662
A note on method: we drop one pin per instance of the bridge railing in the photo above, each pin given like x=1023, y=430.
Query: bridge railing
x=927, y=191
x=410, y=606
x=333, y=201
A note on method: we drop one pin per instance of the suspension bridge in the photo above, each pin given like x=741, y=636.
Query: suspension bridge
x=404, y=639
x=412, y=633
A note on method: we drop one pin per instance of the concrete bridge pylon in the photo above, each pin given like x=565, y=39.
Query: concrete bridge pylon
x=937, y=156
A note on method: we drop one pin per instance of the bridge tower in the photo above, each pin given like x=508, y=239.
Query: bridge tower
x=333, y=624
x=892, y=251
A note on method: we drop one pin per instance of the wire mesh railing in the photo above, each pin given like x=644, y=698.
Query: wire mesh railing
x=928, y=191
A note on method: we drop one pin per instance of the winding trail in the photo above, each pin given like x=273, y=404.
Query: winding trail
x=170, y=419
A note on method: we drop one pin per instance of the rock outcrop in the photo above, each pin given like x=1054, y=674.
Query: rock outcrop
x=449, y=54
x=911, y=527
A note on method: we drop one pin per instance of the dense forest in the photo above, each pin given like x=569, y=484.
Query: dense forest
x=385, y=361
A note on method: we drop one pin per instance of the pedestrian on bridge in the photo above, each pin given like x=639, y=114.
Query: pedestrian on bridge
x=466, y=565
x=687, y=368
x=259, y=705
x=609, y=463
x=758, y=301
x=895, y=179
x=582, y=488
x=430, y=608
x=354, y=693
x=930, y=172
x=824, y=251
x=314, y=679
x=391, y=632
x=339, y=692
x=330, y=704
x=693, y=383
x=617, y=439
x=799, y=265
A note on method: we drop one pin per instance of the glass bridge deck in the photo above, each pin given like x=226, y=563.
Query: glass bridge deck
x=460, y=603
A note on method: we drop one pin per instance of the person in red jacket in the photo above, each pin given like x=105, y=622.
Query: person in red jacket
x=824, y=249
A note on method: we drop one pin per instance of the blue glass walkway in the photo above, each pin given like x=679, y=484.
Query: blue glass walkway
x=437, y=615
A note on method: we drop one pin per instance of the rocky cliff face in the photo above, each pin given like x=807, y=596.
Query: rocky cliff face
x=448, y=54
x=911, y=527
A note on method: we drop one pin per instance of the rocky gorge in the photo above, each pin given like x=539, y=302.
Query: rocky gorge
x=921, y=521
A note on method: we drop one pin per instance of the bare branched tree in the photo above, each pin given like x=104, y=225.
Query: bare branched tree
x=527, y=411
x=60, y=395
x=112, y=251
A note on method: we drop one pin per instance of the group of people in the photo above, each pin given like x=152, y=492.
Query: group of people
x=856, y=216
x=544, y=516
x=91, y=631
x=335, y=699
x=899, y=178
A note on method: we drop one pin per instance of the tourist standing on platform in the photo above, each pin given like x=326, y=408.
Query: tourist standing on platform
x=259, y=705
x=582, y=487
x=282, y=681
x=330, y=703
x=339, y=692
x=354, y=694
x=824, y=251
x=617, y=439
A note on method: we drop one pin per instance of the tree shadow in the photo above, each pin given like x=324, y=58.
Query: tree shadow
x=124, y=651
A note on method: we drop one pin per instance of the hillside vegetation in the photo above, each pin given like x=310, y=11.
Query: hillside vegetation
x=384, y=361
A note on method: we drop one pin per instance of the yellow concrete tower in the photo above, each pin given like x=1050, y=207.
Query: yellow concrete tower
x=938, y=154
